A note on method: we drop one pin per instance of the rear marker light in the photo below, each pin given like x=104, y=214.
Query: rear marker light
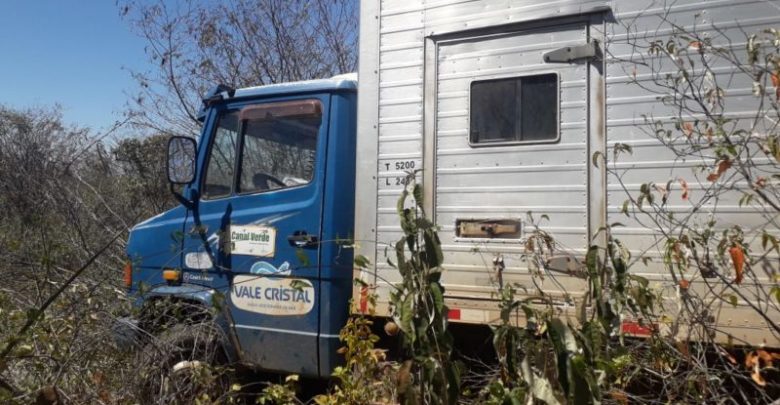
x=636, y=329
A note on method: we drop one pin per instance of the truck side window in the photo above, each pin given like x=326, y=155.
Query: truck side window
x=219, y=174
x=278, y=151
x=514, y=110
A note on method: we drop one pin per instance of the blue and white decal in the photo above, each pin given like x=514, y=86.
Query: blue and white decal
x=268, y=269
x=272, y=296
x=253, y=240
x=198, y=260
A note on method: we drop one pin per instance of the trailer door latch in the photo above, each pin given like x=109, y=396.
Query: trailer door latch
x=568, y=54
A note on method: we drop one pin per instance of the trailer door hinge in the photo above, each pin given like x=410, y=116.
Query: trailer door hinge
x=568, y=54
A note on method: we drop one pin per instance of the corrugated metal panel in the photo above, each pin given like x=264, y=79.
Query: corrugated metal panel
x=626, y=106
x=650, y=161
x=506, y=182
x=509, y=181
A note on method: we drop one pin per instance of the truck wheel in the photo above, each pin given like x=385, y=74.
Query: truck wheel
x=183, y=363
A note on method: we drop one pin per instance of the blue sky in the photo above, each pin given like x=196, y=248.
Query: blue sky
x=70, y=52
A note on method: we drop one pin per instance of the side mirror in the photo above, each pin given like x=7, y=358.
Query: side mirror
x=181, y=160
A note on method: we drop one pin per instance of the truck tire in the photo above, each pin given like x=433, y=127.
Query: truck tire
x=185, y=362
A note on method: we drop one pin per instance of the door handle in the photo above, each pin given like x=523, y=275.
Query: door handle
x=302, y=239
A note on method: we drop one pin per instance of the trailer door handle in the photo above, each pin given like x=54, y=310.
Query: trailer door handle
x=302, y=239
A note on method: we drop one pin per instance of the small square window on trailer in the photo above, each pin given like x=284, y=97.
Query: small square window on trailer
x=514, y=110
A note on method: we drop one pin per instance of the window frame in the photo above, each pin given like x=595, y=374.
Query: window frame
x=234, y=186
x=557, y=138
x=240, y=154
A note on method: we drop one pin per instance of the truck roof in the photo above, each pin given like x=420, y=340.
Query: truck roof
x=340, y=82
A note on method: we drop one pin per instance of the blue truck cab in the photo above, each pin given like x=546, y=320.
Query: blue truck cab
x=267, y=194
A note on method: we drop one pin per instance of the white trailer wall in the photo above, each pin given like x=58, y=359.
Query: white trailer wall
x=416, y=60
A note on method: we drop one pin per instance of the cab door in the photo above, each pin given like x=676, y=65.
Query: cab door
x=275, y=231
x=253, y=233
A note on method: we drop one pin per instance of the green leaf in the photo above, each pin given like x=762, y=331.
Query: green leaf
x=303, y=258
x=639, y=279
x=399, y=256
x=33, y=314
x=401, y=202
x=624, y=209
x=218, y=300
x=433, y=252
x=438, y=296
x=406, y=315
x=434, y=273
x=592, y=262
x=621, y=147
x=23, y=350
x=417, y=192
x=299, y=285
x=540, y=387
x=562, y=332
x=580, y=375
x=177, y=236
x=362, y=261
x=595, y=158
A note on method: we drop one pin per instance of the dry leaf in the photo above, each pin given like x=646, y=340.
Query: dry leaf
x=48, y=395
x=721, y=168
x=682, y=347
x=688, y=129
x=765, y=357
x=684, y=186
x=619, y=397
x=751, y=360
x=738, y=258
x=757, y=378
x=98, y=378
x=663, y=191
x=404, y=376
x=695, y=45
x=724, y=165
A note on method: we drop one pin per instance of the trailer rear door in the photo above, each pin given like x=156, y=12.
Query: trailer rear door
x=511, y=138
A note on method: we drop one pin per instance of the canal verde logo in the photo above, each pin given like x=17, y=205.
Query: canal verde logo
x=253, y=240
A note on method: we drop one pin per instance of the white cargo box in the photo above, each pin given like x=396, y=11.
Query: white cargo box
x=436, y=79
